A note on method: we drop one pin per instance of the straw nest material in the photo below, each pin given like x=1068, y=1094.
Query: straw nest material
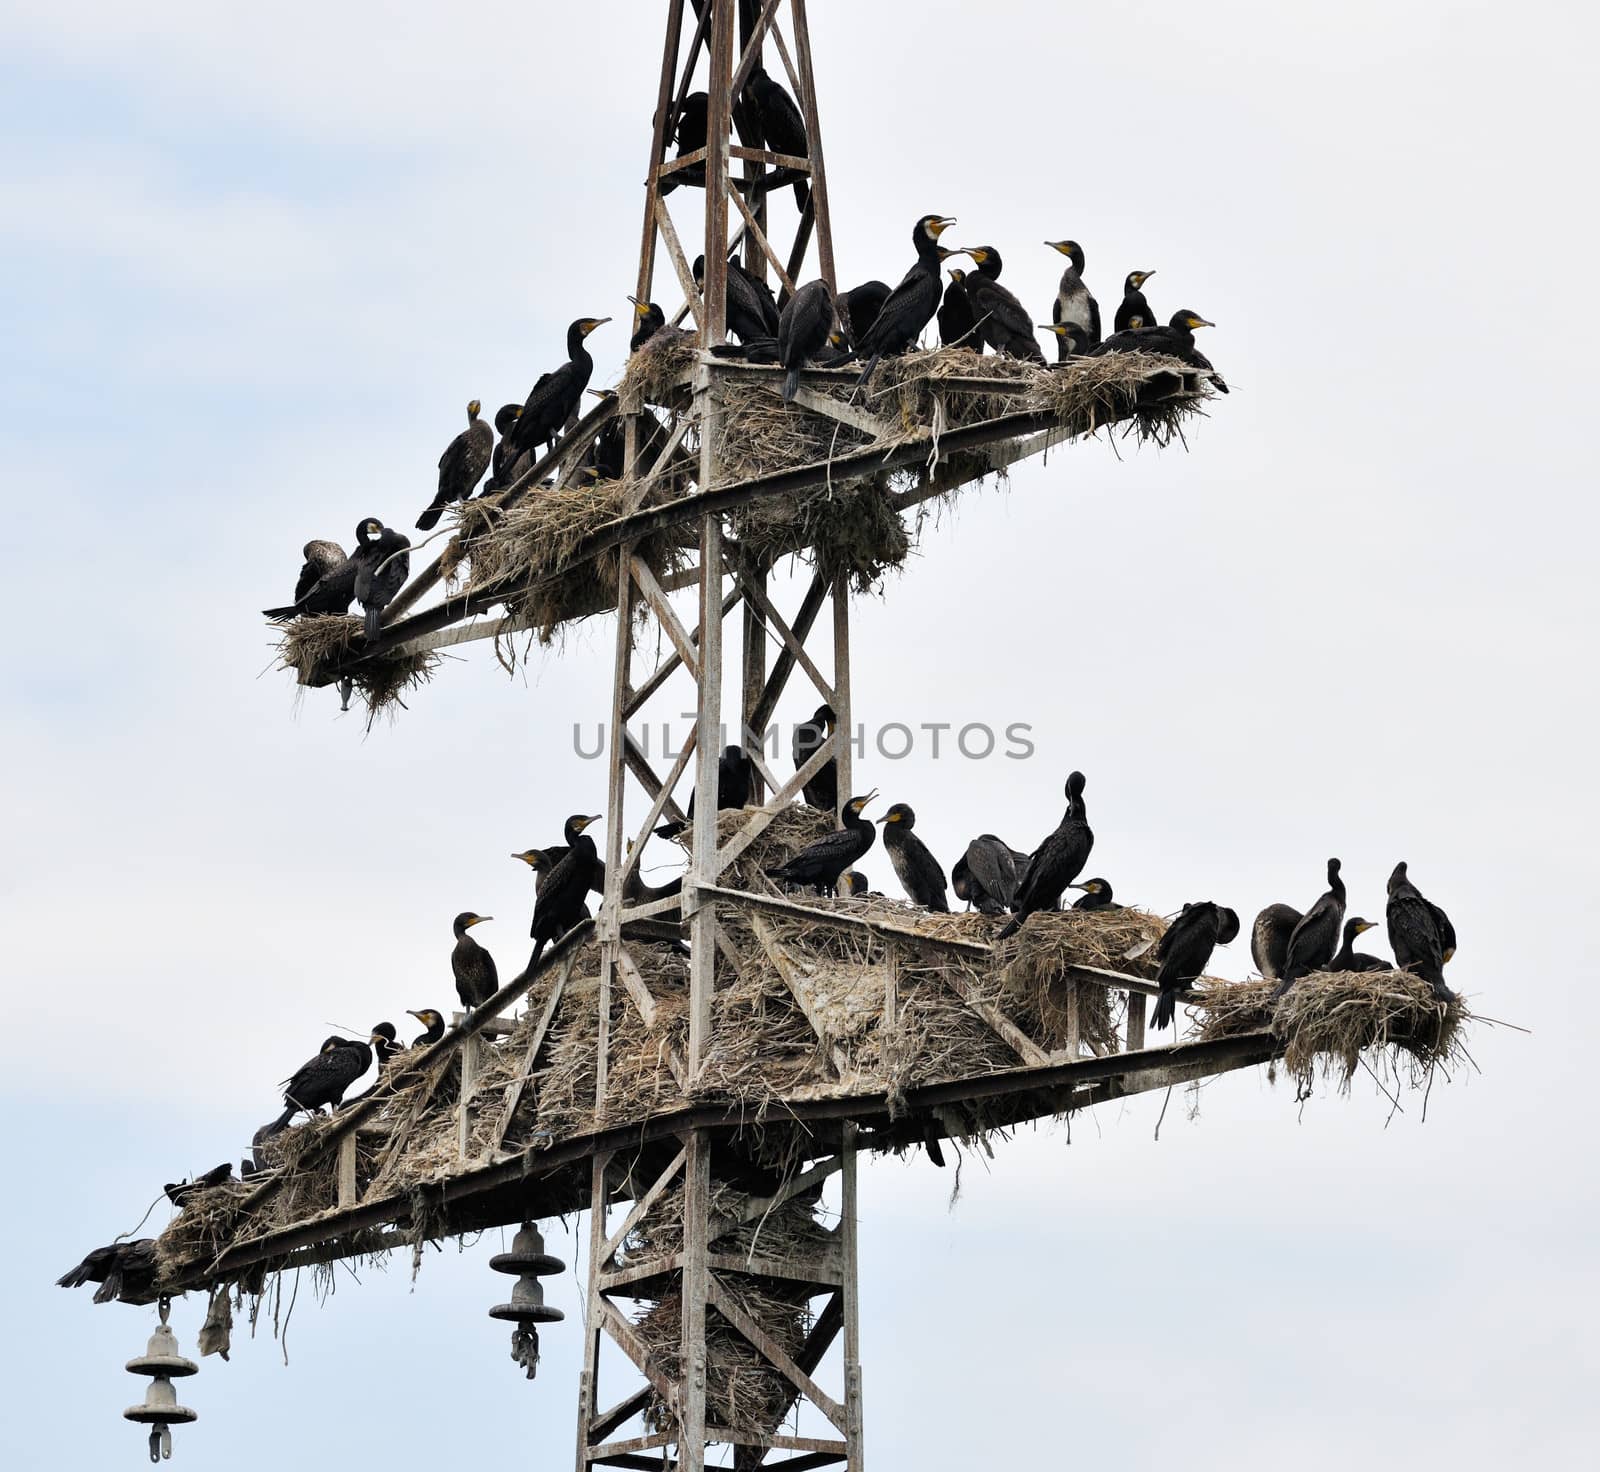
x=743, y=1389
x=531, y=549
x=659, y=369
x=1328, y=1020
x=313, y=641
x=1087, y=394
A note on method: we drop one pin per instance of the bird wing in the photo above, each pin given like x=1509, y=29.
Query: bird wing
x=830, y=848
x=1006, y=315
x=906, y=312
x=994, y=868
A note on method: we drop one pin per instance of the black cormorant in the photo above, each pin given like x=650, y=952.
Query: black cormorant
x=461, y=467
x=383, y=563
x=773, y=112
x=560, y=902
x=1314, y=940
x=1185, y=950
x=432, y=1021
x=955, y=316
x=1073, y=303
x=384, y=1047
x=1133, y=310
x=804, y=326
x=911, y=305
x=986, y=875
x=1096, y=895
x=858, y=308
x=129, y=1265
x=322, y=1080
x=477, y=979
x=178, y=1192
x=1056, y=862
x=648, y=319
x=820, y=864
x=1001, y=321
x=822, y=791
x=852, y=884
x=1175, y=340
x=690, y=134
x=1420, y=933
x=751, y=311
x=1072, y=341
x=327, y=580
x=919, y=872
x=1269, y=939
x=1347, y=958
x=554, y=399
x=502, y=458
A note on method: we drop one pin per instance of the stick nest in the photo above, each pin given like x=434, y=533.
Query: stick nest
x=743, y=1390
x=530, y=549
x=1329, y=1020
x=313, y=641
x=661, y=368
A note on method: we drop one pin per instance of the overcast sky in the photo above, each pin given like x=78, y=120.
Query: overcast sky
x=255, y=261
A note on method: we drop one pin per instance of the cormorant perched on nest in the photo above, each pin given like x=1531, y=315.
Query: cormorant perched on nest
x=1134, y=310
x=955, y=316
x=782, y=130
x=321, y=1080
x=1347, y=958
x=736, y=775
x=648, y=319
x=751, y=311
x=1175, y=340
x=1001, y=321
x=1056, y=862
x=1096, y=895
x=1073, y=304
x=822, y=791
x=1185, y=951
x=819, y=865
x=912, y=304
x=432, y=1021
x=559, y=903
x=986, y=875
x=383, y=563
x=1269, y=939
x=179, y=1192
x=477, y=978
x=605, y=456
x=919, y=872
x=384, y=1048
x=804, y=326
x=554, y=399
x=1314, y=940
x=461, y=467
x=838, y=351
x=690, y=134
x=858, y=308
x=502, y=458
x=1420, y=933
x=327, y=580
x=852, y=884
x=130, y=1265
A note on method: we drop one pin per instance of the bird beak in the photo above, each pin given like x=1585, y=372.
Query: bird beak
x=595, y=322
x=1083, y=887
x=410, y=1013
x=635, y=300
x=939, y=226
x=1059, y=245
x=479, y=920
x=1201, y=322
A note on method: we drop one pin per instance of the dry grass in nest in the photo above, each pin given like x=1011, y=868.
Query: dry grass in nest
x=851, y=530
x=757, y=433
x=313, y=641
x=1030, y=964
x=1326, y=1021
x=1088, y=393
x=659, y=369
x=532, y=547
x=914, y=388
x=207, y=1224
x=743, y=1390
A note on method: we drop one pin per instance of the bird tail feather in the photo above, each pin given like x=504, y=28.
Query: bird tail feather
x=791, y=385
x=371, y=623
x=429, y=518
x=1166, y=1010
